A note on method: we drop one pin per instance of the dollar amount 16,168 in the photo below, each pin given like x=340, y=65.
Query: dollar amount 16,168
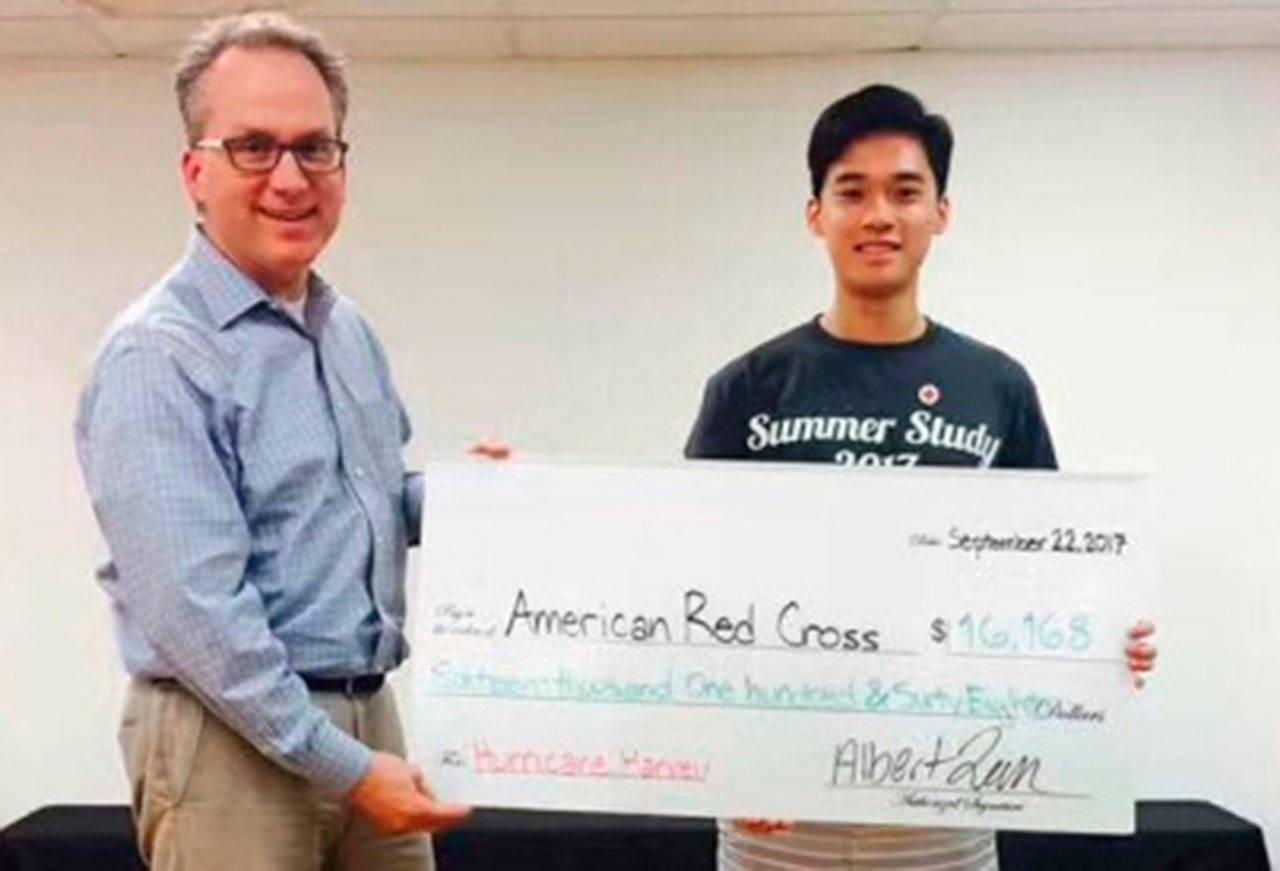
x=1047, y=632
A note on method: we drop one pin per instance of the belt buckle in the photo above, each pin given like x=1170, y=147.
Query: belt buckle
x=349, y=687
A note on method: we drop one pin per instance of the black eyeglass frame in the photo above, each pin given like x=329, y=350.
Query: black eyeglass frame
x=229, y=145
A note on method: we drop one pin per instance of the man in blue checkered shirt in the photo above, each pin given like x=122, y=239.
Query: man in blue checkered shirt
x=240, y=438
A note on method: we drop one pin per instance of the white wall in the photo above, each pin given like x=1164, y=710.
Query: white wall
x=559, y=254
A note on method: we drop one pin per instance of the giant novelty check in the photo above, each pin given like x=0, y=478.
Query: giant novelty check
x=790, y=641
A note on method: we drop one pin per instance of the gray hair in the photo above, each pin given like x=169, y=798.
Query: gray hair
x=253, y=30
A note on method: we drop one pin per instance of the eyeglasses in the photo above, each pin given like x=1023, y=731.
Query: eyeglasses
x=261, y=154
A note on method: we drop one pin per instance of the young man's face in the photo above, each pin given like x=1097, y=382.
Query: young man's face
x=877, y=214
x=271, y=225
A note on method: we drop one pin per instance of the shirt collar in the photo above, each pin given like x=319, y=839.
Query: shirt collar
x=229, y=293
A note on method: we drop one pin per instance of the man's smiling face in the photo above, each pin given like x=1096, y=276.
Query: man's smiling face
x=272, y=225
x=877, y=214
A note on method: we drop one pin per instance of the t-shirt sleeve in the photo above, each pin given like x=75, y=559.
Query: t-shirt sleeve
x=1029, y=446
x=720, y=430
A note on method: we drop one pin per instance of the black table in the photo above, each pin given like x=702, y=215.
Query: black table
x=71, y=837
x=577, y=842
x=1171, y=836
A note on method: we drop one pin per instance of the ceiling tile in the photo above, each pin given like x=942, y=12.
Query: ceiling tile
x=1169, y=28
x=683, y=37
x=174, y=8
x=697, y=8
x=35, y=9
x=655, y=28
x=317, y=9
x=355, y=37
x=49, y=37
x=1219, y=6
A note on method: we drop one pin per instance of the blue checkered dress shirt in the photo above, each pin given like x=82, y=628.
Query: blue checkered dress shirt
x=246, y=474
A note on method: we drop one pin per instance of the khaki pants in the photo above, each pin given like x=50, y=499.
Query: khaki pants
x=203, y=798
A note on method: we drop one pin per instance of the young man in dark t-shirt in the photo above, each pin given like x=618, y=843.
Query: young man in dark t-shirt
x=936, y=399
x=873, y=382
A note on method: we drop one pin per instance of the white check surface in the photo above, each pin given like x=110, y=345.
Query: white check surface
x=919, y=647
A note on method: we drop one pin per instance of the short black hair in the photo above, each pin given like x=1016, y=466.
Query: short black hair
x=877, y=109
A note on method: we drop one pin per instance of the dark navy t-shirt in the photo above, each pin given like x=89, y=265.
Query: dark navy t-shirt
x=941, y=400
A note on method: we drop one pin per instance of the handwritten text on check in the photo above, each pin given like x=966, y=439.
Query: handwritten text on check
x=923, y=647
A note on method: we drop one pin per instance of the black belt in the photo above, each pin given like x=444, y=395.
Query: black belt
x=360, y=685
